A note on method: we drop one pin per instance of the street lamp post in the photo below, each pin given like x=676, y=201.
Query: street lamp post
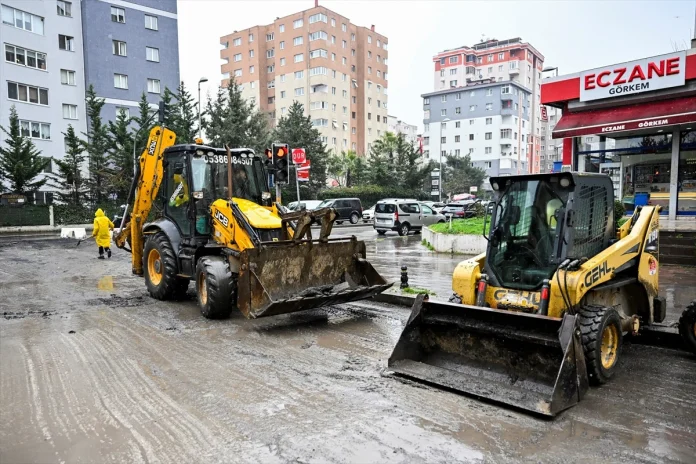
x=200, y=81
x=440, y=145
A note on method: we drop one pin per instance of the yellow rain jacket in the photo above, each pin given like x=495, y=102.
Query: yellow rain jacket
x=102, y=225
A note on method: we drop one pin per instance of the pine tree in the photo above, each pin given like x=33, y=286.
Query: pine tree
x=20, y=161
x=143, y=123
x=233, y=121
x=296, y=130
x=170, y=108
x=121, y=154
x=69, y=179
x=97, y=146
x=185, y=123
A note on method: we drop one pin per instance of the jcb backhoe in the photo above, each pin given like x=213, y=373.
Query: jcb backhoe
x=541, y=314
x=219, y=227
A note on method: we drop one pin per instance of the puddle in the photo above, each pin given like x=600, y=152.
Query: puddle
x=106, y=283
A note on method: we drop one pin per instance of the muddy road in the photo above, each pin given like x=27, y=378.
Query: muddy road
x=93, y=370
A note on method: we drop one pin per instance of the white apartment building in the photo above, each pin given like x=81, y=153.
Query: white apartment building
x=397, y=126
x=42, y=73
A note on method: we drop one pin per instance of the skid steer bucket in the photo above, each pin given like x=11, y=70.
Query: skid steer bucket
x=528, y=361
x=288, y=276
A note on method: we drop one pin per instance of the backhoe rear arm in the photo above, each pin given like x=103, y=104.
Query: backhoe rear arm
x=144, y=189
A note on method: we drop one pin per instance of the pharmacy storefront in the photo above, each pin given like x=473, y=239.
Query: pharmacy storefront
x=635, y=121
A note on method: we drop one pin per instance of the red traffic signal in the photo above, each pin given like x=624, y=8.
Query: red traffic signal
x=280, y=162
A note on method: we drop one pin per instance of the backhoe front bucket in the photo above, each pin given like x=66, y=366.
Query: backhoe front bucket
x=525, y=360
x=287, y=276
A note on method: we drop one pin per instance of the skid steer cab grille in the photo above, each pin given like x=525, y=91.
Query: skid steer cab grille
x=269, y=235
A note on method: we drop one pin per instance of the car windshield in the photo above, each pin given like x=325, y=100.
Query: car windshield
x=385, y=208
x=524, y=233
x=325, y=204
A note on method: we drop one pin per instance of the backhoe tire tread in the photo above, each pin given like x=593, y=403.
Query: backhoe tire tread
x=171, y=287
x=687, y=324
x=220, y=285
x=593, y=320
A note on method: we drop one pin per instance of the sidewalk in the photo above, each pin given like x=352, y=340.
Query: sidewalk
x=678, y=225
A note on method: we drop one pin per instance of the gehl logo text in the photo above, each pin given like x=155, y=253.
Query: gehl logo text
x=222, y=218
x=597, y=273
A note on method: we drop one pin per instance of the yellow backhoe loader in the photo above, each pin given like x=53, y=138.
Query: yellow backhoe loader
x=540, y=315
x=218, y=226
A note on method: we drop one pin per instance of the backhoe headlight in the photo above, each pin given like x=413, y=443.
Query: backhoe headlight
x=565, y=182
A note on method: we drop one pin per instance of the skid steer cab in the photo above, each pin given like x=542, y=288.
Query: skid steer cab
x=540, y=315
x=218, y=226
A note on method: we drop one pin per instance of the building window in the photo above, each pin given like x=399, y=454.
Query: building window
x=237, y=57
x=369, y=68
x=471, y=136
x=299, y=91
x=489, y=136
x=237, y=42
x=472, y=108
x=152, y=54
x=282, y=94
x=269, y=37
x=251, y=53
x=281, y=28
x=489, y=121
x=119, y=48
x=237, y=73
x=282, y=61
x=297, y=23
x=24, y=57
x=270, y=84
x=122, y=110
x=344, y=44
x=456, y=138
x=151, y=23
x=27, y=93
x=251, y=38
x=270, y=69
x=443, y=139
x=453, y=59
x=457, y=124
x=489, y=106
x=443, y=112
x=458, y=110
x=35, y=130
x=67, y=77
x=319, y=53
x=118, y=15
x=282, y=45
x=426, y=101
x=64, y=8
x=299, y=58
x=318, y=17
x=453, y=72
x=22, y=20
x=299, y=74
x=471, y=122
x=490, y=70
x=297, y=41
x=69, y=111
x=120, y=81
x=443, y=98
x=66, y=43
x=251, y=70
x=453, y=83
x=270, y=53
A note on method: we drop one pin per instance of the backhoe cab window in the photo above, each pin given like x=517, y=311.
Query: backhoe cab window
x=523, y=236
x=248, y=179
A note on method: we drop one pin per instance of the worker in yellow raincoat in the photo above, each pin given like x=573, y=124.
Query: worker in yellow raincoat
x=102, y=225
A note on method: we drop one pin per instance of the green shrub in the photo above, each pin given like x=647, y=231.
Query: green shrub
x=81, y=214
x=371, y=194
x=472, y=226
x=619, y=211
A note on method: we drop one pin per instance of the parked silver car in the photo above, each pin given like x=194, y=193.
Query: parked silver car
x=404, y=216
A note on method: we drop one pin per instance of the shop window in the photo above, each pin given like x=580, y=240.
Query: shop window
x=686, y=180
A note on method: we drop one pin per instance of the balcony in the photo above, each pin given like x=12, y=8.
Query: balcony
x=506, y=96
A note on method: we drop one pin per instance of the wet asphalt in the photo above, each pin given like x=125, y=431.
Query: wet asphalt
x=94, y=370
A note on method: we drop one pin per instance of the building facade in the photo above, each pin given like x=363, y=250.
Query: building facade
x=42, y=74
x=397, y=126
x=336, y=69
x=131, y=47
x=489, y=121
x=551, y=148
x=635, y=122
x=498, y=60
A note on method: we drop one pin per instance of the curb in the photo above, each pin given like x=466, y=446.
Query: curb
x=40, y=230
x=659, y=335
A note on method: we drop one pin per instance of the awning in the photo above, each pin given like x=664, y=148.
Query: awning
x=625, y=118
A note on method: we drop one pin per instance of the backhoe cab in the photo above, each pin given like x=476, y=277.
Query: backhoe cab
x=542, y=313
x=216, y=224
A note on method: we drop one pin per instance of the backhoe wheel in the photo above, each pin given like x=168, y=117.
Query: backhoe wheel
x=403, y=229
x=601, y=340
x=216, y=287
x=354, y=218
x=687, y=326
x=159, y=262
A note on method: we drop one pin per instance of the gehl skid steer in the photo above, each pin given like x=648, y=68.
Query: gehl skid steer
x=541, y=315
x=218, y=226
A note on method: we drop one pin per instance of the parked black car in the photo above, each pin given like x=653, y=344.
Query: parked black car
x=348, y=209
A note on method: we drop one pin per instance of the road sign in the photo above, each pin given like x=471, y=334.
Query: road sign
x=303, y=172
x=473, y=189
x=298, y=155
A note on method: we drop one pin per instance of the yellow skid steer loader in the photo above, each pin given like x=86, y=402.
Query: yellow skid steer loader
x=217, y=225
x=542, y=313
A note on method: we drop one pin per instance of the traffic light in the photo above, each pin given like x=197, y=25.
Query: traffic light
x=161, y=112
x=268, y=161
x=281, y=162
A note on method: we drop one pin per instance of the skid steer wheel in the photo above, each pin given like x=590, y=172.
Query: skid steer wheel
x=161, y=271
x=403, y=229
x=601, y=340
x=215, y=287
x=687, y=326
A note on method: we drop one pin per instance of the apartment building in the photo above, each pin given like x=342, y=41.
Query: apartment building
x=487, y=120
x=131, y=47
x=336, y=69
x=551, y=149
x=42, y=74
x=497, y=60
x=397, y=126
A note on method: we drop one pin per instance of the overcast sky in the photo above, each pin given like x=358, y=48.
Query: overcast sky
x=573, y=35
